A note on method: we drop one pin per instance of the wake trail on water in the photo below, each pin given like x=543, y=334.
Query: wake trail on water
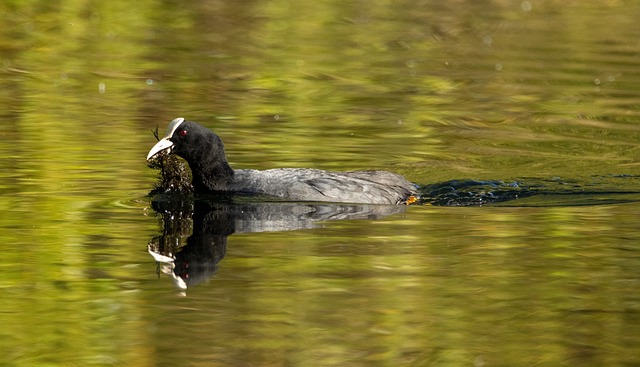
x=596, y=190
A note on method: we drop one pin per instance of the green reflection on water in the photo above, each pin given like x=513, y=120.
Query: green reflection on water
x=432, y=90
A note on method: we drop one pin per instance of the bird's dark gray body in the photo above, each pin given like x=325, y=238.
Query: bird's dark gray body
x=303, y=184
x=204, y=152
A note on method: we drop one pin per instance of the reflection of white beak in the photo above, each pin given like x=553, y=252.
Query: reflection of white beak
x=166, y=266
x=161, y=145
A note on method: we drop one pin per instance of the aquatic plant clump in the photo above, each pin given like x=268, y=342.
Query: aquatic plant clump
x=174, y=176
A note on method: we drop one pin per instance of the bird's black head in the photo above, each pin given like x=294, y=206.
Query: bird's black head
x=191, y=141
x=202, y=149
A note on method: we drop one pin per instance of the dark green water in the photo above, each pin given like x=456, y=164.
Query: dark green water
x=539, y=95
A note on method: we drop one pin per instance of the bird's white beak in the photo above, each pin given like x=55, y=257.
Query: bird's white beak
x=161, y=145
x=165, y=143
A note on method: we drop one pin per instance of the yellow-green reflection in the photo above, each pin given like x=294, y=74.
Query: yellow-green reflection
x=432, y=90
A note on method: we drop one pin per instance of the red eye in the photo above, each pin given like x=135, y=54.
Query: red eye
x=183, y=132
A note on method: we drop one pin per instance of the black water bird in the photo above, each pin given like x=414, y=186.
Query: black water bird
x=204, y=152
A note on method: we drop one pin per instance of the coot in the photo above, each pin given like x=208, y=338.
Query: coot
x=204, y=152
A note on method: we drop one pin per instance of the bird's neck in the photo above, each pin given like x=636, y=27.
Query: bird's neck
x=209, y=167
x=212, y=176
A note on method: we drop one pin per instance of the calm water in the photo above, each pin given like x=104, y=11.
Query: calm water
x=539, y=95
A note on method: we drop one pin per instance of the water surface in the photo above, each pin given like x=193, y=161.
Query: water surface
x=541, y=96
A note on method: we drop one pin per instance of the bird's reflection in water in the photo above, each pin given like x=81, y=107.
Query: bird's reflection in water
x=210, y=222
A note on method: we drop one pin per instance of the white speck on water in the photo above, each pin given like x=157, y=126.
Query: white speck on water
x=102, y=88
x=149, y=81
x=596, y=81
x=498, y=67
x=526, y=6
